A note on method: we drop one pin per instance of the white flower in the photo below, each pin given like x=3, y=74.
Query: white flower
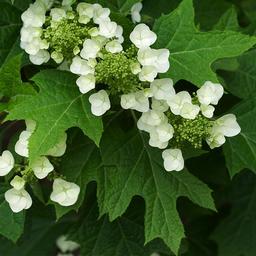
x=60, y=148
x=42, y=56
x=135, y=68
x=143, y=126
x=42, y=167
x=18, y=199
x=148, y=74
x=66, y=245
x=80, y=67
x=207, y=110
x=35, y=46
x=58, y=14
x=135, y=12
x=160, y=105
x=189, y=111
x=128, y=101
x=154, y=142
x=21, y=147
x=18, y=182
x=100, y=103
x=90, y=49
x=100, y=14
x=162, y=89
x=162, y=63
x=85, y=10
x=163, y=132
x=142, y=102
x=210, y=93
x=119, y=34
x=173, y=160
x=108, y=29
x=177, y=102
x=216, y=139
x=34, y=16
x=64, y=193
x=153, y=117
x=86, y=83
x=29, y=33
x=147, y=56
x=227, y=125
x=6, y=163
x=142, y=36
x=114, y=47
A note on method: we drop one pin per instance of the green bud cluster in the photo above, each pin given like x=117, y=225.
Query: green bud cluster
x=66, y=36
x=190, y=131
x=114, y=70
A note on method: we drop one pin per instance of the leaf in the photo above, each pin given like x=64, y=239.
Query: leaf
x=57, y=107
x=235, y=235
x=193, y=52
x=11, y=224
x=124, y=236
x=240, y=151
x=10, y=82
x=228, y=21
x=10, y=24
x=40, y=234
x=242, y=81
x=130, y=167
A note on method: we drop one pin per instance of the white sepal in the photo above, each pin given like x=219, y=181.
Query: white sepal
x=18, y=199
x=6, y=163
x=100, y=103
x=21, y=146
x=86, y=83
x=42, y=167
x=173, y=160
x=64, y=193
x=80, y=67
x=18, y=182
x=162, y=89
x=60, y=148
x=135, y=12
x=142, y=36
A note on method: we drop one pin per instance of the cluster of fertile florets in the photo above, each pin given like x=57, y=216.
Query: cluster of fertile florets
x=24, y=172
x=90, y=44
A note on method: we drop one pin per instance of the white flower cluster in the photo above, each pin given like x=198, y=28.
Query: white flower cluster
x=65, y=193
x=164, y=99
x=33, y=20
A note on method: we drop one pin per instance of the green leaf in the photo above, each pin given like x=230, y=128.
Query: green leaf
x=240, y=151
x=10, y=24
x=242, y=81
x=130, y=167
x=124, y=236
x=57, y=107
x=10, y=82
x=11, y=224
x=228, y=21
x=193, y=52
x=40, y=234
x=235, y=235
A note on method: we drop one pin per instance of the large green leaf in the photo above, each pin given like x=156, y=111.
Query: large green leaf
x=240, y=151
x=124, y=236
x=11, y=224
x=192, y=51
x=10, y=24
x=242, y=81
x=129, y=167
x=58, y=106
x=40, y=233
x=10, y=82
x=236, y=235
